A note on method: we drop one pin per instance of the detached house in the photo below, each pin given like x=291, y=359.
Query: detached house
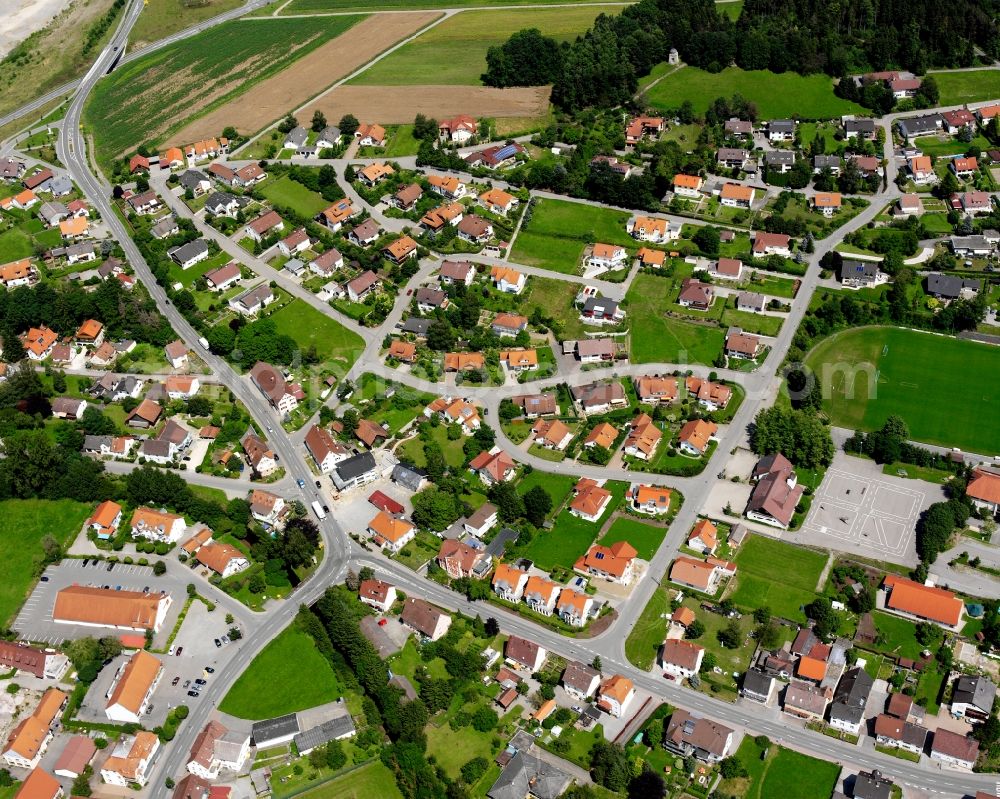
x=736, y=195
x=390, y=533
x=363, y=285
x=326, y=452
x=615, y=563
x=604, y=257
x=493, y=467
x=157, y=525
x=574, y=607
x=524, y=653
x=505, y=279
x=449, y=187
x=681, y=659
x=706, y=740
x=646, y=228
x=461, y=560
x=377, y=594
x=695, y=436
x=776, y=494
x=743, y=346
x=651, y=500
x=765, y=244
x=271, y=383
x=580, y=681
x=540, y=595
x=922, y=170
x=263, y=226
x=590, y=500
x=509, y=582
x=370, y=135
x=425, y=619
x=615, y=695
x=688, y=185
x=498, y=201
x=457, y=130
x=643, y=438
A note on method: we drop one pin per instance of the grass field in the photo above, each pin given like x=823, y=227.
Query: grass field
x=940, y=405
x=147, y=99
x=307, y=326
x=647, y=634
x=272, y=684
x=372, y=779
x=778, y=575
x=646, y=538
x=160, y=18
x=556, y=486
x=559, y=230
x=776, y=95
x=656, y=338
x=968, y=87
x=26, y=523
x=286, y=192
x=555, y=298
x=413, y=450
x=454, y=52
x=791, y=775
x=570, y=535
x=313, y=6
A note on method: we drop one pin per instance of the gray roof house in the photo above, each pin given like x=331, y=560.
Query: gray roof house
x=60, y=185
x=165, y=227
x=757, y=685
x=354, y=471
x=781, y=160
x=847, y=711
x=189, y=254
x=296, y=137
x=920, y=126
x=860, y=273
x=973, y=697
x=872, y=785
x=194, y=180
x=335, y=729
x=526, y=775
x=416, y=326
x=950, y=287
x=410, y=477
x=831, y=162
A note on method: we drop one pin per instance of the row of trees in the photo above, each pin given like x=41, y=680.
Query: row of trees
x=601, y=67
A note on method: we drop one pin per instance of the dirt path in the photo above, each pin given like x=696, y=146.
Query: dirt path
x=307, y=77
x=399, y=104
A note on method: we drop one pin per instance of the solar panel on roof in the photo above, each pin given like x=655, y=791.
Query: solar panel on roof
x=505, y=152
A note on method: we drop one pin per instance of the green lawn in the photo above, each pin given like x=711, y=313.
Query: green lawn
x=413, y=450
x=454, y=748
x=334, y=342
x=656, y=338
x=967, y=87
x=776, y=574
x=14, y=245
x=454, y=52
x=272, y=685
x=643, y=643
x=160, y=18
x=948, y=145
x=146, y=100
x=288, y=193
x=570, y=536
x=556, y=486
x=401, y=142
x=645, y=537
x=791, y=775
x=559, y=231
x=776, y=95
x=899, y=636
x=555, y=298
x=372, y=779
x=26, y=523
x=869, y=373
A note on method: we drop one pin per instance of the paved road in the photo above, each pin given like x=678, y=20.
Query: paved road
x=232, y=487
x=339, y=550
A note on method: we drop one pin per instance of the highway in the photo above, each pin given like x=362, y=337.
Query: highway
x=340, y=551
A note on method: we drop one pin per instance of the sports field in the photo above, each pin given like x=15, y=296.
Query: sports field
x=145, y=100
x=940, y=385
x=776, y=95
x=454, y=52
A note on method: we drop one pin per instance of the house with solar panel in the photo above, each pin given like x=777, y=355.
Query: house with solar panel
x=861, y=274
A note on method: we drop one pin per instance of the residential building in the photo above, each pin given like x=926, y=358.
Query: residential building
x=641, y=127
x=509, y=325
x=355, y=471
x=898, y=734
x=847, y=711
x=806, y=701
x=704, y=537
x=615, y=694
x=540, y=595
x=39, y=784
x=651, y=229
x=696, y=435
x=580, y=681
x=324, y=449
x=459, y=272
x=509, y=582
x=574, y=607
x=984, y=490
x=736, y=195
x=602, y=435
x=732, y=157
x=595, y=350
x=464, y=361
x=781, y=130
x=449, y=187
x=603, y=257
x=831, y=162
x=38, y=342
x=696, y=574
x=765, y=244
x=369, y=134
x=130, y=759
x=217, y=749
x=751, y=302
x=525, y=775
x=157, y=525
x=953, y=749
x=389, y=533
x=524, y=653
x=361, y=286
x=652, y=500
x=400, y=250
x=826, y=202
x=271, y=383
x=643, y=438
x=132, y=689
x=950, y=287
x=377, y=594
x=30, y=737
x=223, y=559
x=551, y=434
x=264, y=226
x=688, y=185
x=779, y=161
x=656, y=389
x=681, y=659
x=75, y=757
x=922, y=170
x=757, y=686
x=43, y=664
x=458, y=130
x=859, y=128
x=776, y=493
x=590, y=500
x=615, y=563
x=260, y=456
x=695, y=294
x=706, y=740
x=505, y=279
x=254, y=300
x=973, y=697
x=459, y=560
x=424, y=618
x=496, y=156
x=727, y=269
x=872, y=785
x=861, y=274
x=498, y=201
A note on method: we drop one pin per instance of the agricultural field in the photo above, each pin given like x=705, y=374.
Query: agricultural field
x=333, y=342
x=559, y=230
x=656, y=338
x=869, y=373
x=778, y=575
x=160, y=18
x=957, y=88
x=454, y=52
x=272, y=684
x=138, y=103
x=314, y=6
x=26, y=523
x=776, y=95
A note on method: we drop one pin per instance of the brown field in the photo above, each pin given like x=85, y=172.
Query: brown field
x=307, y=77
x=390, y=105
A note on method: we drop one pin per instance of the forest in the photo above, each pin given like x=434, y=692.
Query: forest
x=602, y=67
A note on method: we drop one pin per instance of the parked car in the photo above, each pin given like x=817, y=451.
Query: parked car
x=175, y=681
x=186, y=683
x=200, y=681
x=209, y=669
x=179, y=650
x=195, y=694
x=218, y=642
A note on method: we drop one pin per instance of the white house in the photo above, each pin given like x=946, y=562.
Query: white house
x=681, y=659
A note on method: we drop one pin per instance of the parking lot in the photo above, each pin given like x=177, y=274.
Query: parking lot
x=196, y=644
x=35, y=623
x=859, y=509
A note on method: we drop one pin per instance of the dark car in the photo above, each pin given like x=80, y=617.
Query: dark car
x=194, y=694
x=175, y=680
x=200, y=681
x=110, y=566
x=209, y=669
x=186, y=683
x=86, y=562
x=218, y=642
x=179, y=650
x=326, y=509
x=319, y=484
x=44, y=578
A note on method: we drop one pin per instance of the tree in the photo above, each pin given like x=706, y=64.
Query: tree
x=596, y=662
x=762, y=615
x=988, y=732
x=318, y=121
x=349, y=125
x=537, y=504
x=610, y=766
x=527, y=58
x=647, y=785
x=159, y=568
x=424, y=128
x=707, y=239
x=934, y=529
x=824, y=617
x=695, y=630
x=509, y=504
x=492, y=627
x=731, y=768
x=434, y=509
x=484, y=719
x=800, y=435
x=474, y=769
x=730, y=635
x=336, y=758
x=288, y=124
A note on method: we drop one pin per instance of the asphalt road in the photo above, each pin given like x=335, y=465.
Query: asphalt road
x=340, y=551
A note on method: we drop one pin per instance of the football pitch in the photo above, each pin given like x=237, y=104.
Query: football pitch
x=943, y=387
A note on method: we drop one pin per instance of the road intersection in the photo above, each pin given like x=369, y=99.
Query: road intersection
x=342, y=553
